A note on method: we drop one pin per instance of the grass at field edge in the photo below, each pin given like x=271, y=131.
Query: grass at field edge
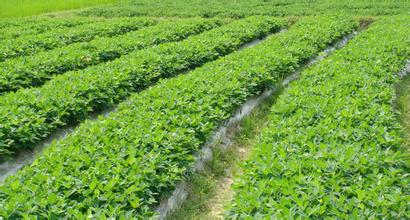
x=20, y=8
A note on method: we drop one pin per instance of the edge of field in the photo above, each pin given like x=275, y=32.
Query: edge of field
x=42, y=10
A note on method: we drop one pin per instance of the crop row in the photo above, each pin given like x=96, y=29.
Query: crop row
x=121, y=165
x=31, y=114
x=240, y=9
x=333, y=147
x=29, y=71
x=31, y=44
x=42, y=25
x=19, y=22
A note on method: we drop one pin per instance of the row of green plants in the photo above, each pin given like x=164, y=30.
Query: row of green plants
x=31, y=44
x=41, y=25
x=29, y=115
x=19, y=22
x=333, y=146
x=123, y=164
x=244, y=8
x=35, y=70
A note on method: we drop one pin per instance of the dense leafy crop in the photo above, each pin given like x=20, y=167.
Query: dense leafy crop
x=120, y=165
x=30, y=114
x=41, y=25
x=31, y=44
x=243, y=8
x=34, y=70
x=18, y=22
x=332, y=149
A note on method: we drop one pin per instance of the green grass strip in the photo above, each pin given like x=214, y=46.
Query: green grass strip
x=120, y=166
x=31, y=44
x=19, y=8
x=35, y=70
x=333, y=147
x=31, y=114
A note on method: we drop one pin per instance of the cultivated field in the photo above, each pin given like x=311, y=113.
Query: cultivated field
x=207, y=109
x=20, y=8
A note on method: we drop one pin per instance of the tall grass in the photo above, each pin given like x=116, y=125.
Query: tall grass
x=19, y=8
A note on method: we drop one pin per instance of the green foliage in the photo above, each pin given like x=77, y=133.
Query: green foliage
x=31, y=44
x=28, y=71
x=24, y=27
x=333, y=148
x=119, y=166
x=403, y=104
x=31, y=114
x=209, y=189
x=17, y=22
x=244, y=8
x=18, y=8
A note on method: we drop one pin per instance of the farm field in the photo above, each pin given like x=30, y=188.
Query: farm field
x=20, y=8
x=403, y=99
x=206, y=109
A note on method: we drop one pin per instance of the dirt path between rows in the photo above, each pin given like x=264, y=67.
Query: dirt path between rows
x=211, y=190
